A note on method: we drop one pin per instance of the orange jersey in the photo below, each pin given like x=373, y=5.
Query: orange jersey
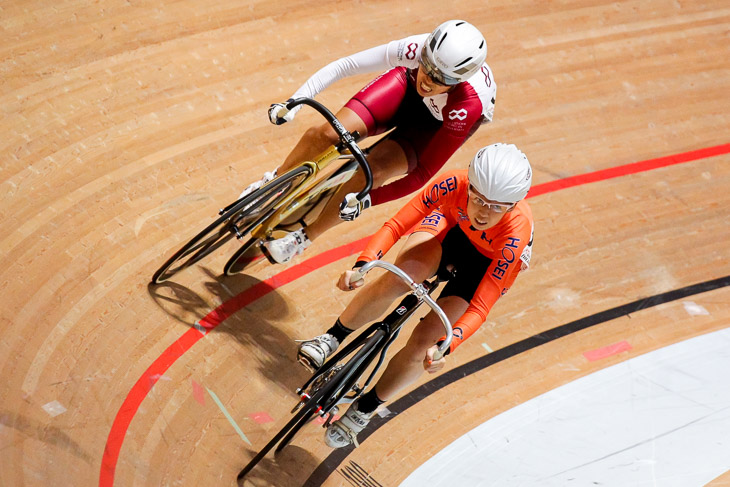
x=441, y=206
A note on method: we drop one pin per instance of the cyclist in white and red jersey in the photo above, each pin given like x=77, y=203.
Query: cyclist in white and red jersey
x=475, y=221
x=436, y=92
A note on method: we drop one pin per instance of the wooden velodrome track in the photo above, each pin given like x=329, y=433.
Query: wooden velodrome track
x=126, y=125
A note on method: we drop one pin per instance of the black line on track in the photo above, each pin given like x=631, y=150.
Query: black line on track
x=330, y=464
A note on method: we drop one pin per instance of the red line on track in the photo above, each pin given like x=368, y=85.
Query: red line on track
x=148, y=379
x=625, y=170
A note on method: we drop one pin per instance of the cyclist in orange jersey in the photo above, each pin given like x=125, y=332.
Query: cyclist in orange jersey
x=476, y=221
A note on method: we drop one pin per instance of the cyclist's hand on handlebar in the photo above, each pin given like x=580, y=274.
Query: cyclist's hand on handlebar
x=429, y=364
x=346, y=284
x=351, y=207
x=278, y=113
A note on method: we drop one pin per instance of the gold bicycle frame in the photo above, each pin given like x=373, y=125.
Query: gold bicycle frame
x=303, y=193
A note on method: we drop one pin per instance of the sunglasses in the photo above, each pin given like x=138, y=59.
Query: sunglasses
x=495, y=207
x=434, y=73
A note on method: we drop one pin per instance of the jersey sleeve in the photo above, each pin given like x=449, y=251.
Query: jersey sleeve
x=420, y=206
x=499, y=277
x=380, y=58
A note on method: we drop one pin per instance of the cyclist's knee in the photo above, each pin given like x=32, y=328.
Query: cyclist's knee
x=387, y=161
x=422, y=338
x=320, y=135
x=391, y=285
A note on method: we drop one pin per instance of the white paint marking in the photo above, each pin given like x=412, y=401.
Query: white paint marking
x=54, y=408
x=694, y=309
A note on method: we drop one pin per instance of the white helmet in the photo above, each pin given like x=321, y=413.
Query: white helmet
x=454, y=52
x=501, y=172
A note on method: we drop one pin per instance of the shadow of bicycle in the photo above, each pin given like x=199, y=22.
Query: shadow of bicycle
x=254, y=309
x=285, y=469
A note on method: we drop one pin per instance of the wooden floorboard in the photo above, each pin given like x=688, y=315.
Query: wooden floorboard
x=126, y=125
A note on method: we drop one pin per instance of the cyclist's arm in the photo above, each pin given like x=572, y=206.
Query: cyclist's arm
x=378, y=58
x=411, y=214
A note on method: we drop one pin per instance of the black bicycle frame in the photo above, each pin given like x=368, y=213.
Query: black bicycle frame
x=389, y=327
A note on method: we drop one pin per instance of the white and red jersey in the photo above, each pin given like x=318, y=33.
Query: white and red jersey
x=470, y=101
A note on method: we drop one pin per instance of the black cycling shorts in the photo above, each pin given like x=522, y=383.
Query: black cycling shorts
x=470, y=265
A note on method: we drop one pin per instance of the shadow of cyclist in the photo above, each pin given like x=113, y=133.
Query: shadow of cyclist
x=288, y=468
x=253, y=325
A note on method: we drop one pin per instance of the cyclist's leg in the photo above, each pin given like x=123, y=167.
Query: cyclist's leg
x=371, y=111
x=471, y=266
x=407, y=365
x=419, y=258
x=316, y=139
x=385, y=103
x=368, y=113
x=387, y=160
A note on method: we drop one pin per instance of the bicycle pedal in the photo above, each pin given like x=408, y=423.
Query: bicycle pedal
x=332, y=416
x=306, y=362
x=303, y=398
x=265, y=251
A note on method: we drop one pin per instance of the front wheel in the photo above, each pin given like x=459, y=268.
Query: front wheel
x=236, y=221
x=300, y=419
x=244, y=256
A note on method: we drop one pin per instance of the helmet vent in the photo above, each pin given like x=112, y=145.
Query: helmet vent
x=442, y=40
x=463, y=62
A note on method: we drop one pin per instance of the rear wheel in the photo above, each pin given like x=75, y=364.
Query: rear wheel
x=234, y=222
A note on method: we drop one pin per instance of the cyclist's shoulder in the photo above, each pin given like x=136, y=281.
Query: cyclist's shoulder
x=475, y=97
x=523, y=210
x=445, y=188
x=520, y=220
x=455, y=179
x=479, y=88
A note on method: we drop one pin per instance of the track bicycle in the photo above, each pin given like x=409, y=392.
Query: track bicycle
x=294, y=198
x=336, y=381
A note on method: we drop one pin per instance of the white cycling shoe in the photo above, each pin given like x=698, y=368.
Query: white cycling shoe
x=343, y=432
x=313, y=353
x=281, y=250
x=268, y=176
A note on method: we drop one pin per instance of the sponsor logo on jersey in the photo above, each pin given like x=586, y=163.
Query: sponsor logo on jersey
x=442, y=188
x=463, y=217
x=508, y=257
x=459, y=114
x=527, y=251
x=412, y=51
x=433, y=219
x=487, y=78
x=458, y=333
